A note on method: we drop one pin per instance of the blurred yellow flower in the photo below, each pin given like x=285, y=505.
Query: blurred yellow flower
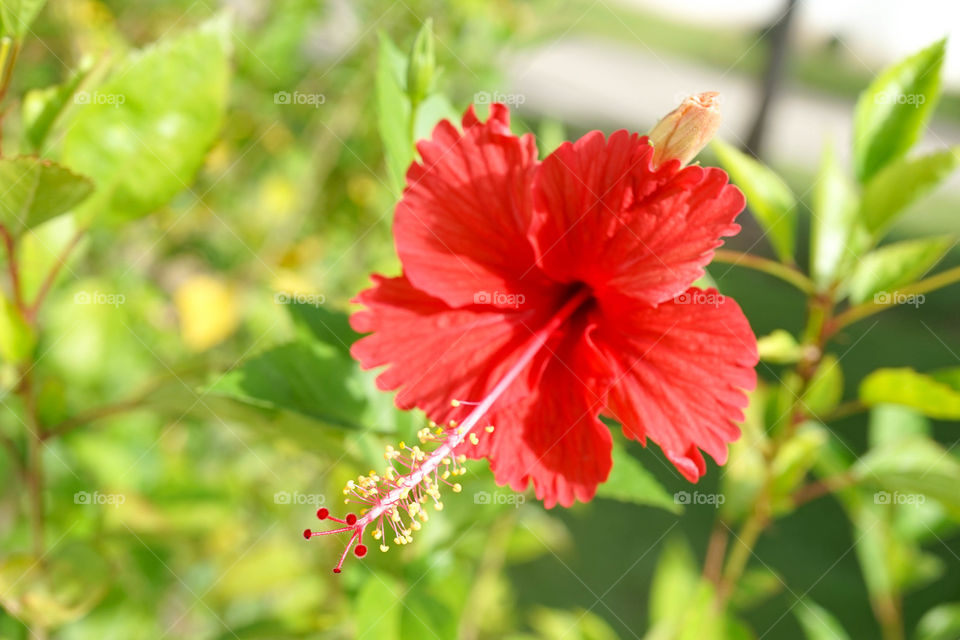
x=208, y=312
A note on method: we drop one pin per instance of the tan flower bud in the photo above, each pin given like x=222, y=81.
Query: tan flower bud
x=683, y=132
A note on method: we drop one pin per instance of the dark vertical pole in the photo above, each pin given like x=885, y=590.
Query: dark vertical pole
x=779, y=36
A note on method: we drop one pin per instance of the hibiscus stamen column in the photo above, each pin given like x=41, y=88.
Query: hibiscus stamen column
x=395, y=498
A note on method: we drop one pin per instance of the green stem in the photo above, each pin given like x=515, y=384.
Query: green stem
x=861, y=311
x=784, y=272
x=34, y=474
x=30, y=313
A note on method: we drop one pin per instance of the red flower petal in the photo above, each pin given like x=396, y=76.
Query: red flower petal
x=461, y=226
x=603, y=216
x=552, y=437
x=682, y=369
x=436, y=354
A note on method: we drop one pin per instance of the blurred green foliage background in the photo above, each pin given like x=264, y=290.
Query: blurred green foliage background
x=171, y=510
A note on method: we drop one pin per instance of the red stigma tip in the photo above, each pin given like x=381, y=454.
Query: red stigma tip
x=351, y=519
x=336, y=570
x=361, y=550
x=323, y=513
x=307, y=533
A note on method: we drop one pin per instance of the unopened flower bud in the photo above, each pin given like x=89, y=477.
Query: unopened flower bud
x=683, y=132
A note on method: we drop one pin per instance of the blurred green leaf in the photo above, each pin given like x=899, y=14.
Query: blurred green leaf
x=674, y=581
x=794, y=459
x=378, y=609
x=894, y=266
x=301, y=377
x=143, y=134
x=747, y=471
x=328, y=326
x=578, y=624
x=17, y=339
x=891, y=423
x=893, y=110
x=902, y=183
x=756, y=585
x=36, y=190
x=42, y=107
x=768, y=197
x=630, y=482
x=422, y=66
x=779, y=347
x=16, y=16
x=70, y=581
x=394, y=113
x=825, y=389
x=940, y=623
x=936, y=396
x=912, y=465
x=834, y=216
x=818, y=623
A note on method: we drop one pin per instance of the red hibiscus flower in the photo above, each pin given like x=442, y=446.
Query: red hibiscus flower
x=536, y=297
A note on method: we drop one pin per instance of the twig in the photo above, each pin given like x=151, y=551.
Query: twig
x=771, y=267
x=31, y=312
x=12, y=266
x=894, y=298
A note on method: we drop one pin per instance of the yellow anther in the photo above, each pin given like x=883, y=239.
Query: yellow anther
x=474, y=440
x=384, y=548
x=457, y=488
x=454, y=403
x=488, y=428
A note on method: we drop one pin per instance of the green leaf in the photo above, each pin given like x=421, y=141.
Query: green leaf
x=890, y=423
x=303, y=377
x=69, y=582
x=889, y=268
x=834, y=218
x=894, y=108
x=794, y=459
x=911, y=466
x=768, y=197
x=42, y=107
x=578, y=624
x=674, y=581
x=935, y=396
x=629, y=481
x=393, y=112
x=17, y=16
x=825, y=390
x=17, y=339
x=780, y=347
x=755, y=586
x=940, y=623
x=377, y=609
x=421, y=68
x=902, y=183
x=818, y=623
x=320, y=323
x=37, y=190
x=143, y=134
